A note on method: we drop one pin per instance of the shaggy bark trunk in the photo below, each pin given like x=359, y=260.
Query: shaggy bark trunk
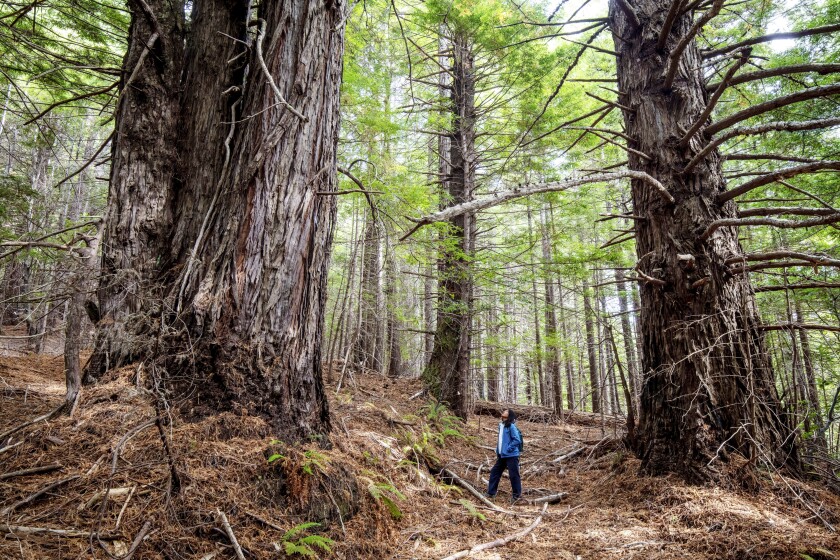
x=448, y=371
x=591, y=354
x=144, y=159
x=367, y=351
x=242, y=265
x=708, y=383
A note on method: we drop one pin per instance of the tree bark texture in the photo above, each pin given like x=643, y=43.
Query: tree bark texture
x=238, y=241
x=591, y=351
x=448, y=371
x=708, y=383
x=138, y=223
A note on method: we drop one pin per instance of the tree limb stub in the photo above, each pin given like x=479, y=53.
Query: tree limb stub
x=527, y=190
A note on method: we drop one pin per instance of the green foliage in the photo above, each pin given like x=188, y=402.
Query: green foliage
x=474, y=513
x=293, y=544
x=387, y=493
x=314, y=461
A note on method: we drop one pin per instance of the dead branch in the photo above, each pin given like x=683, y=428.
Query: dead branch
x=800, y=286
x=32, y=470
x=676, y=54
x=495, y=199
x=569, y=455
x=760, y=129
x=784, y=224
x=551, y=499
x=19, y=427
x=471, y=489
x=775, y=176
x=280, y=99
x=821, y=69
x=772, y=37
x=779, y=157
x=32, y=497
x=797, y=211
x=500, y=542
x=14, y=530
x=220, y=515
x=613, y=103
x=668, y=24
x=704, y=116
x=803, y=95
x=775, y=255
x=138, y=540
x=799, y=326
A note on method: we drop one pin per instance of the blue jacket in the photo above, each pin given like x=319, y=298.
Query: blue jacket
x=510, y=442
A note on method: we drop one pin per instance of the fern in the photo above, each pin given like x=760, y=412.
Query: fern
x=385, y=492
x=303, y=546
x=472, y=509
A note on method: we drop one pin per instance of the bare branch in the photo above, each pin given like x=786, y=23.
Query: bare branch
x=772, y=37
x=800, y=286
x=704, y=116
x=760, y=129
x=798, y=211
x=668, y=24
x=803, y=95
x=268, y=76
x=613, y=103
x=676, y=54
x=768, y=178
x=784, y=224
x=777, y=157
x=823, y=260
x=495, y=199
x=799, y=326
x=821, y=69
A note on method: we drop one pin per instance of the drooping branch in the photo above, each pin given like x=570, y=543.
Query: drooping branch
x=821, y=69
x=701, y=120
x=772, y=37
x=768, y=178
x=676, y=54
x=799, y=326
x=823, y=260
x=673, y=12
x=495, y=199
x=784, y=224
x=781, y=210
x=777, y=103
x=799, y=286
x=759, y=129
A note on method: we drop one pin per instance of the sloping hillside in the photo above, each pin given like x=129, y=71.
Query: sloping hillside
x=376, y=490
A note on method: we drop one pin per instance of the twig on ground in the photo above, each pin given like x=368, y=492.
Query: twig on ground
x=33, y=470
x=229, y=531
x=32, y=497
x=499, y=542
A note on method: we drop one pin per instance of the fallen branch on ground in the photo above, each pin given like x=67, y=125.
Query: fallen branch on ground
x=32, y=497
x=500, y=542
x=471, y=489
x=220, y=515
x=33, y=470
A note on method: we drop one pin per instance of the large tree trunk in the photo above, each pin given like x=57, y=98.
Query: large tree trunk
x=243, y=270
x=708, y=384
x=448, y=371
x=138, y=224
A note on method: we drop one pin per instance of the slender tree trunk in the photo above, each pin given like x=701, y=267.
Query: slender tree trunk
x=708, y=384
x=493, y=360
x=368, y=342
x=552, y=348
x=448, y=371
x=591, y=350
x=627, y=335
x=538, y=348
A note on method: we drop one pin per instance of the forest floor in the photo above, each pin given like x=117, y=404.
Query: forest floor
x=379, y=431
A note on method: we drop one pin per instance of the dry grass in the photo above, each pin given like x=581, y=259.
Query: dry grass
x=611, y=512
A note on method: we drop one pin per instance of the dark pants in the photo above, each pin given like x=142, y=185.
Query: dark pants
x=512, y=465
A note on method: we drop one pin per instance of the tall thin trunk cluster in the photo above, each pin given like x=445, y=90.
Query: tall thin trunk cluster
x=217, y=242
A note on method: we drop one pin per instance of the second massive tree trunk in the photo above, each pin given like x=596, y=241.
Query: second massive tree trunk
x=708, y=384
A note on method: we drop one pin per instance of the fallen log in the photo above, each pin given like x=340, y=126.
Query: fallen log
x=499, y=542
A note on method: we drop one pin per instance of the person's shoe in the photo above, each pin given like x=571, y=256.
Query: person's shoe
x=515, y=500
x=490, y=497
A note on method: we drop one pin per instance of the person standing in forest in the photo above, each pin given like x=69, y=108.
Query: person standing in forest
x=508, y=449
